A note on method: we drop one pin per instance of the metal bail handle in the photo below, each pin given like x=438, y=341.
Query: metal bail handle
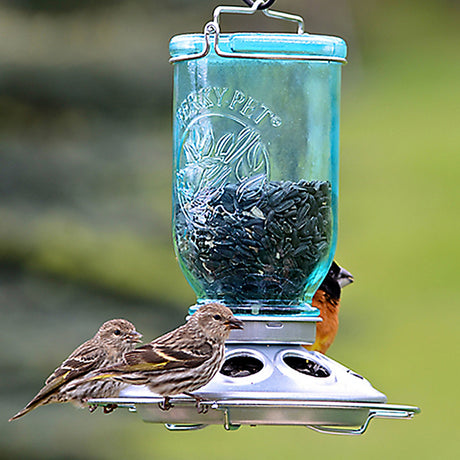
x=255, y=7
x=212, y=29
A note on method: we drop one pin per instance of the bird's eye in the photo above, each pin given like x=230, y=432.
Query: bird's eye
x=117, y=332
x=217, y=317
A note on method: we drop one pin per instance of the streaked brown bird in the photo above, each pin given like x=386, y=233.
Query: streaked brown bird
x=327, y=300
x=181, y=361
x=106, y=348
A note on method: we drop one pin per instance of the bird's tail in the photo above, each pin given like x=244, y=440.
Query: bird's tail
x=31, y=406
x=44, y=396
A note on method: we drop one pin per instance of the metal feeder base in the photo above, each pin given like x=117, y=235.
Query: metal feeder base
x=271, y=385
x=274, y=329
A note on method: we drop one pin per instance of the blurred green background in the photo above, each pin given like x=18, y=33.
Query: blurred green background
x=85, y=179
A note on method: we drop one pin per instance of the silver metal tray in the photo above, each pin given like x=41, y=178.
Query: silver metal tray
x=331, y=399
x=331, y=417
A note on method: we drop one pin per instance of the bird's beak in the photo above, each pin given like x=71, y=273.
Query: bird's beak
x=135, y=337
x=345, y=277
x=235, y=323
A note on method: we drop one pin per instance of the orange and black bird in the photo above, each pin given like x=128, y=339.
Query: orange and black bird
x=327, y=300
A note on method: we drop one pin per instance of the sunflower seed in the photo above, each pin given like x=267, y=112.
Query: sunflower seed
x=257, y=240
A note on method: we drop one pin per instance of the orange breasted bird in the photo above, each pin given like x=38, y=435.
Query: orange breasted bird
x=327, y=300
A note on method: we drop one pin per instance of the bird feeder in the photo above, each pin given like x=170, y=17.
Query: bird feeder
x=255, y=193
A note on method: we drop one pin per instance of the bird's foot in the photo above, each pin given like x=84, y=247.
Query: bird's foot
x=92, y=407
x=200, y=407
x=109, y=408
x=165, y=405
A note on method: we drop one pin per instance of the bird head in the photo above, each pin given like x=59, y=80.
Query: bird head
x=336, y=279
x=216, y=321
x=119, y=334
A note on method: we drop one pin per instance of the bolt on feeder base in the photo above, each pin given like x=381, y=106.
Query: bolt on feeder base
x=271, y=385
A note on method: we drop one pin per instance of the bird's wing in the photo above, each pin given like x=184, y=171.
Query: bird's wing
x=168, y=356
x=83, y=360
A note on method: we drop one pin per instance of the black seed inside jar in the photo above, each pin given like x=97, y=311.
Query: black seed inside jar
x=261, y=242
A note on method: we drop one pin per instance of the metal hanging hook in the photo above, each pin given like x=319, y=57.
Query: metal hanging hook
x=262, y=6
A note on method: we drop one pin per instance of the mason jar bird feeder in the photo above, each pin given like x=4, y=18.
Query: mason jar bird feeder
x=255, y=193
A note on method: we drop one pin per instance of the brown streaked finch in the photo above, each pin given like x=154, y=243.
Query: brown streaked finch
x=181, y=361
x=106, y=348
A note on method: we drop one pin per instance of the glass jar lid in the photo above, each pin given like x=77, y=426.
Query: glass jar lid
x=253, y=45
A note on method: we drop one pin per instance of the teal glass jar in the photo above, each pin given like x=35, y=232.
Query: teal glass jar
x=255, y=169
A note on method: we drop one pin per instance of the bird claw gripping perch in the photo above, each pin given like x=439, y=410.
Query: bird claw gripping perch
x=200, y=407
x=109, y=408
x=92, y=408
x=165, y=405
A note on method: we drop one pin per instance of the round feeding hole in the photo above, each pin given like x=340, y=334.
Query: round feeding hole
x=306, y=366
x=241, y=366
